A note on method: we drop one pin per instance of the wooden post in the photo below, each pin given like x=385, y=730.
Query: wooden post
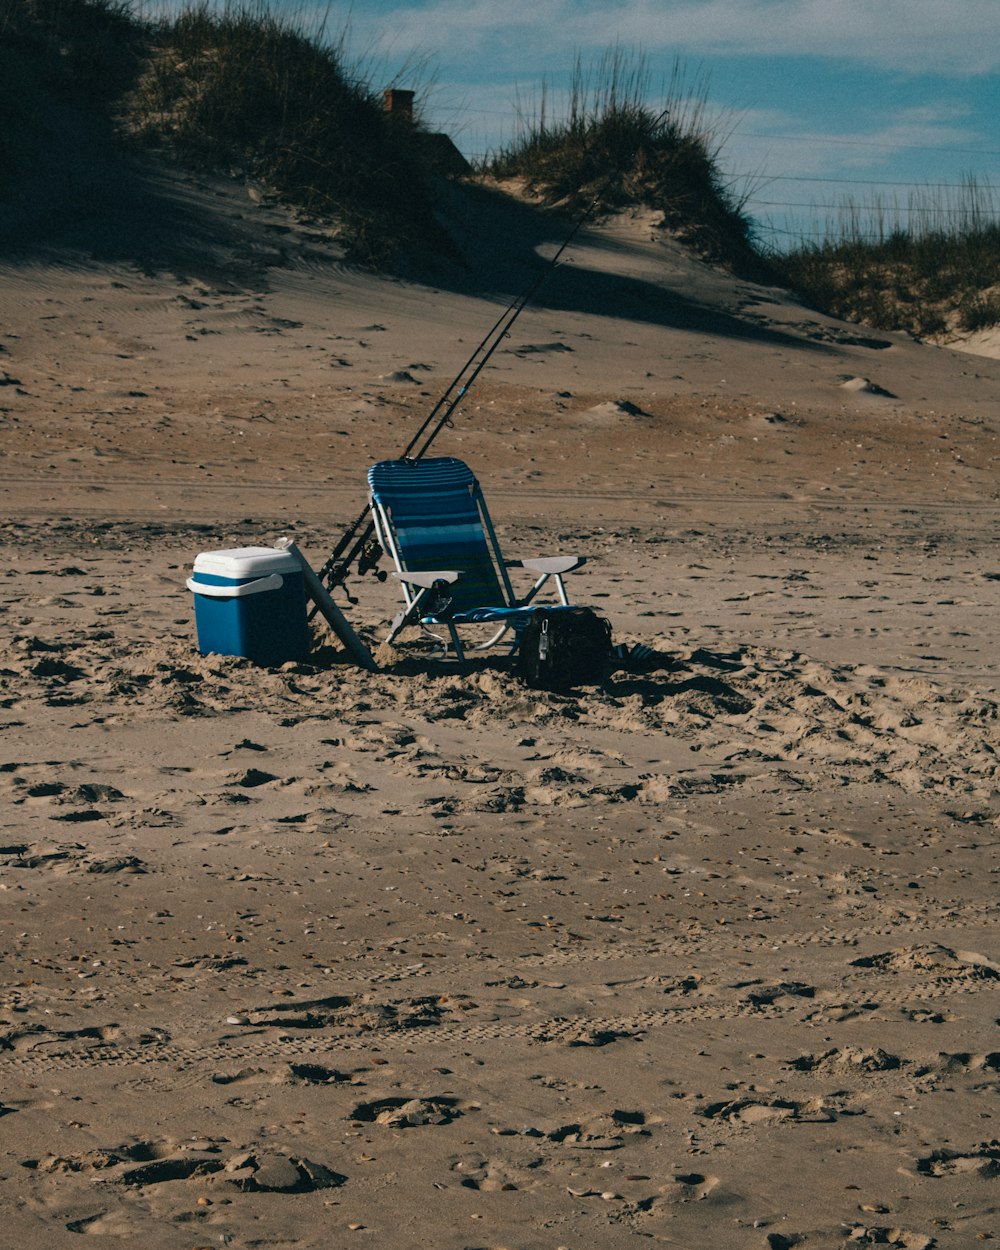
x=399, y=103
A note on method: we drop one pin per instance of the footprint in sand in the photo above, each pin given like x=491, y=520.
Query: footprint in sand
x=944, y=965
x=754, y=1111
x=399, y=377
x=852, y=1059
x=966, y=1062
x=982, y=1161
x=684, y=1187
x=104, y=1224
x=362, y=1014
x=410, y=1112
x=317, y=1074
x=864, y=386
x=144, y=1164
x=494, y=1175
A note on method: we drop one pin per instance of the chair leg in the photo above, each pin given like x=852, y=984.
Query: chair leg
x=406, y=617
x=456, y=643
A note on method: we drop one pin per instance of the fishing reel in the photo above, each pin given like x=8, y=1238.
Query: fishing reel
x=337, y=580
x=371, y=553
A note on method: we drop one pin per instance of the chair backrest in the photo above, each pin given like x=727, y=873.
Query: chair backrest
x=431, y=515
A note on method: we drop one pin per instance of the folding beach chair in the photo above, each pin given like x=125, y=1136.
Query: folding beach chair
x=431, y=519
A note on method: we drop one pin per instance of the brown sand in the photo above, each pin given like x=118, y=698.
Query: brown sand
x=705, y=956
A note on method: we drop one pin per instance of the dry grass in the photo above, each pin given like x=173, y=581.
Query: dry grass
x=83, y=50
x=57, y=55
x=246, y=89
x=936, y=276
x=610, y=145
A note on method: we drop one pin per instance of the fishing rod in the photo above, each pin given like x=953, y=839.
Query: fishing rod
x=510, y=315
x=357, y=542
x=337, y=556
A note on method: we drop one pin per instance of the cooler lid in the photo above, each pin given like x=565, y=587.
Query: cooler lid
x=240, y=562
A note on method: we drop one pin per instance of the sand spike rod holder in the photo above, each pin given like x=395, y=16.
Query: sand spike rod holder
x=324, y=604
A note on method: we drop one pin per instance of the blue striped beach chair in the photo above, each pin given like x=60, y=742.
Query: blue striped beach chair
x=431, y=519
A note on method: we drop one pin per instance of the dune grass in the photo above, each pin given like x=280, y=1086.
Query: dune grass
x=609, y=145
x=82, y=50
x=933, y=270
x=237, y=89
x=245, y=89
x=241, y=88
x=57, y=55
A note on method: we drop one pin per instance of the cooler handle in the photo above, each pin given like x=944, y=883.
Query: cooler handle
x=274, y=582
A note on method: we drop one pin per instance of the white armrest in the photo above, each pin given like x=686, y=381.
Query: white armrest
x=551, y=564
x=428, y=578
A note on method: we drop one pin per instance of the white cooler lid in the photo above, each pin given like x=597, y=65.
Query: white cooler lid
x=240, y=562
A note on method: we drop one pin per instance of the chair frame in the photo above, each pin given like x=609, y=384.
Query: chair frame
x=426, y=592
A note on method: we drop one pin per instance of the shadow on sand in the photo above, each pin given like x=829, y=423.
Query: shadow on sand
x=105, y=205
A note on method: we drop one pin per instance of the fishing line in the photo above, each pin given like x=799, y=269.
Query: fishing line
x=354, y=546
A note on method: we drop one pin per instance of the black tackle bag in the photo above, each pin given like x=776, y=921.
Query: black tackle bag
x=563, y=647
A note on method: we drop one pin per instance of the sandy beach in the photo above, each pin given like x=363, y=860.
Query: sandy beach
x=704, y=956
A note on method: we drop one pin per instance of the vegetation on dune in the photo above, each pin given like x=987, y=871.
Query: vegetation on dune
x=611, y=146
x=57, y=55
x=81, y=50
x=937, y=276
x=238, y=88
x=230, y=89
x=246, y=89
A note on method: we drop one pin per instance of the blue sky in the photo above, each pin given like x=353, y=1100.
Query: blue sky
x=884, y=102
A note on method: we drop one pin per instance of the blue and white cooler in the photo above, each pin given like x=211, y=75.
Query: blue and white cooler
x=250, y=601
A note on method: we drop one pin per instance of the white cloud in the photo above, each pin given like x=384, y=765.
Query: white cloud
x=957, y=37
x=770, y=143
